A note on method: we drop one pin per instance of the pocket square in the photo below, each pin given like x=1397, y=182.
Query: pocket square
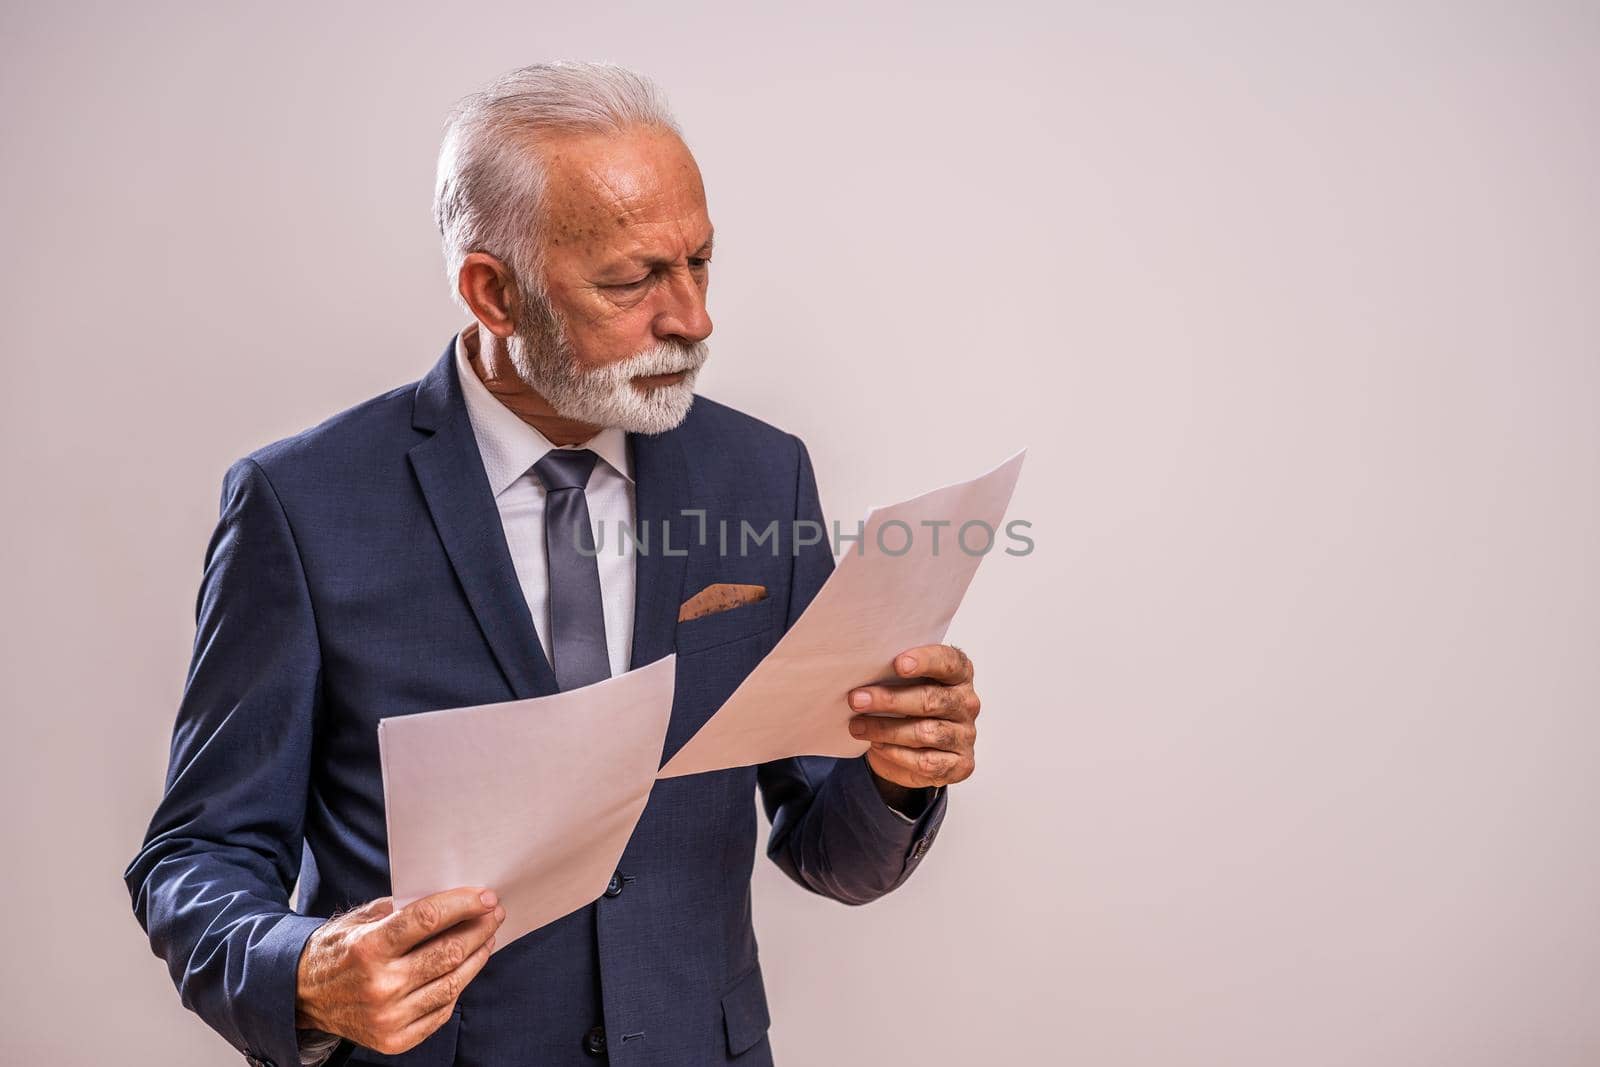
x=720, y=596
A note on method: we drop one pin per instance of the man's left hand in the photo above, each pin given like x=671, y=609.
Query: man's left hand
x=931, y=745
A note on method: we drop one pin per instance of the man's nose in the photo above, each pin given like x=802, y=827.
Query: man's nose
x=683, y=317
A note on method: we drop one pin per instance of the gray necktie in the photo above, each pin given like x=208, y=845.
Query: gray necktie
x=577, y=621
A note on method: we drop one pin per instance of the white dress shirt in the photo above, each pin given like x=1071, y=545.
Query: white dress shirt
x=510, y=447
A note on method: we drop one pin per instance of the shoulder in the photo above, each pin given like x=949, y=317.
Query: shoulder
x=737, y=459
x=714, y=425
x=358, y=440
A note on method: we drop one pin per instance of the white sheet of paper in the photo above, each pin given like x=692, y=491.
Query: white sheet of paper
x=535, y=799
x=872, y=607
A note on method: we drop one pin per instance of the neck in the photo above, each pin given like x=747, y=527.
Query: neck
x=492, y=362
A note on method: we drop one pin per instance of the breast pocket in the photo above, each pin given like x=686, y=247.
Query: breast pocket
x=720, y=627
x=715, y=653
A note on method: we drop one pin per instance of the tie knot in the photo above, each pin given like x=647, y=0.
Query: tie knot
x=565, y=468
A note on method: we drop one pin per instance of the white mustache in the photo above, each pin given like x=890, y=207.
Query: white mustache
x=665, y=358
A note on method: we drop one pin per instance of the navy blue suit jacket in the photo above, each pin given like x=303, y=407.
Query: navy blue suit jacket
x=359, y=570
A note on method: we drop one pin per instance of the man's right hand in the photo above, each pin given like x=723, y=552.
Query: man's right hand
x=387, y=979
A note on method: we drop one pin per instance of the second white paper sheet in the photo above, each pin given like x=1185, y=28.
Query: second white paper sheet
x=874, y=605
x=535, y=799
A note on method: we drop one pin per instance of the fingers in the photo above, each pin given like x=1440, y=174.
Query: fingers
x=957, y=737
x=937, y=701
x=944, y=663
x=422, y=919
x=444, y=990
x=409, y=1037
x=382, y=989
x=448, y=951
x=925, y=766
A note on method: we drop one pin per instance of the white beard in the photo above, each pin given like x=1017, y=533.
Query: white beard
x=606, y=396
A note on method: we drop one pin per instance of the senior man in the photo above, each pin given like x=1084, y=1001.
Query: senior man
x=418, y=551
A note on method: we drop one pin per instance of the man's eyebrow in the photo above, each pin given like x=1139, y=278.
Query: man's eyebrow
x=627, y=264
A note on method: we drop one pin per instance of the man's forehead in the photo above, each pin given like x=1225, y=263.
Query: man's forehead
x=611, y=189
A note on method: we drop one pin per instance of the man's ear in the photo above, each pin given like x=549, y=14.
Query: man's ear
x=487, y=286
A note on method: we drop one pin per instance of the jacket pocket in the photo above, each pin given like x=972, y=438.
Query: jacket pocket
x=720, y=627
x=744, y=1011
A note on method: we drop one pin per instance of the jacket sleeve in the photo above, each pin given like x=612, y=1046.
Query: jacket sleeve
x=832, y=832
x=211, y=883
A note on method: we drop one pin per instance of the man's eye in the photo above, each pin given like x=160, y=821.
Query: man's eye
x=625, y=286
x=699, y=261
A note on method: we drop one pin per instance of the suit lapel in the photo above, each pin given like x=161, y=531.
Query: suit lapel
x=661, y=493
x=450, y=473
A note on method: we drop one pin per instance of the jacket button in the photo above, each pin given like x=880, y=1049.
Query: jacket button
x=614, y=887
x=594, y=1042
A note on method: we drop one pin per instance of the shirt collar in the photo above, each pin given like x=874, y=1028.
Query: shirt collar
x=508, y=444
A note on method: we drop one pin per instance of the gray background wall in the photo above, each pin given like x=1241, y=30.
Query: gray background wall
x=1290, y=736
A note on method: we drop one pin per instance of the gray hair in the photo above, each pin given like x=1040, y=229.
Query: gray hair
x=487, y=197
